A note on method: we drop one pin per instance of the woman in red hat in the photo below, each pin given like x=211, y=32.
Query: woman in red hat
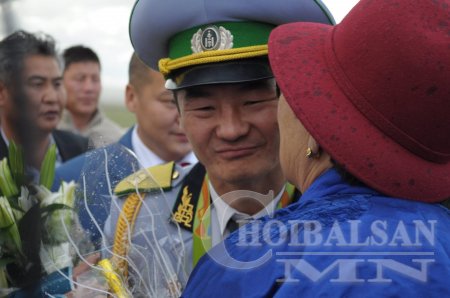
x=364, y=127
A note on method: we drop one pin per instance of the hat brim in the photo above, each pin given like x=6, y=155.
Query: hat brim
x=299, y=55
x=154, y=22
x=235, y=71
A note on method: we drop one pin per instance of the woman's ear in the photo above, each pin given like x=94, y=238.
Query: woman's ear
x=314, y=146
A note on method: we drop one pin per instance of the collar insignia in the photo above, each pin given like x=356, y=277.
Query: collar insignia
x=185, y=211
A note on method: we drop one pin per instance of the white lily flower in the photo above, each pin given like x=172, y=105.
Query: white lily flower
x=25, y=200
x=55, y=232
x=45, y=196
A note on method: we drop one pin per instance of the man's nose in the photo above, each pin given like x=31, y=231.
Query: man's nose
x=52, y=94
x=231, y=125
x=90, y=85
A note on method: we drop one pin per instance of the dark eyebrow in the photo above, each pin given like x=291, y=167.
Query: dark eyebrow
x=34, y=78
x=41, y=78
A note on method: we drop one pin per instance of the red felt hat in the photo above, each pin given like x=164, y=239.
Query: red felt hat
x=374, y=91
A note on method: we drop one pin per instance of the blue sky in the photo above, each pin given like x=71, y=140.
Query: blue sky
x=103, y=26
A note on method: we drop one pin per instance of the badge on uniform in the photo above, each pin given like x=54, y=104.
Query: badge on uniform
x=186, y=204
x=211, y=38
x=185, y=210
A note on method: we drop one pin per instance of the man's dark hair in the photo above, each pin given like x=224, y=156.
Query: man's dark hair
x=15, y=48
x=79, y=53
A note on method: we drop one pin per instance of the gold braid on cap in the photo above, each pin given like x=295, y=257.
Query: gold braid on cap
x=166, y=65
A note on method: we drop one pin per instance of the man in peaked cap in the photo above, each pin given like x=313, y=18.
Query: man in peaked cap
x=214, y=57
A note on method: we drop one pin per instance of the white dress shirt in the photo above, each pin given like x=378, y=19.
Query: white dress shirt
x=221, y=213
x=148, y=158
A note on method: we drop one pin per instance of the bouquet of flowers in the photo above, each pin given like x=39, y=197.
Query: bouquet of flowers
x=34, y=223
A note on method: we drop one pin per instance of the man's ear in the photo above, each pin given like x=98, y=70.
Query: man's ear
x=130, y=98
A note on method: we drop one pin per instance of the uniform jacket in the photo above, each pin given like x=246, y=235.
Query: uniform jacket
x=153, y=225
x=339, y=241
x=118, y=161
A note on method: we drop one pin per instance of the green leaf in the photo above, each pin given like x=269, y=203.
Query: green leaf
x=15, y=155
x=7, y=219
x=48, y=167
x=7, y=184
x=15, y=204
x=5, y=229
x=3, y=279
x=54, y=207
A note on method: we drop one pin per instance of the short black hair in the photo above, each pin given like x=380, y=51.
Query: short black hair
x=138, y=72
x=79, y=53
x=15, y=48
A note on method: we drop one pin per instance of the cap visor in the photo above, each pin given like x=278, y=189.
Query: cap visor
x=236, y=71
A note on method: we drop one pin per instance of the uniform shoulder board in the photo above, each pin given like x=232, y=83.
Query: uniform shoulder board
x=146, y=180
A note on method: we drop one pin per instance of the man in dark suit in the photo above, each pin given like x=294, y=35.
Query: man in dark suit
x=68, y=144
x=155, y=139
x=32, y=98
x=31, y=101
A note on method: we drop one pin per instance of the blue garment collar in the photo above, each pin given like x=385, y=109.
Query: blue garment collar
x=330, y=183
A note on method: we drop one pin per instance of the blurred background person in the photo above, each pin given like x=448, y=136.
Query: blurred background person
x=155, y=139
x=364, y=134
x=31, y=102
x=157, y=136
x=82, y=81
x=32, y=99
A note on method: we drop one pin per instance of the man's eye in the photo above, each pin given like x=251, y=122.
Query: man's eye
x=260, y=101
x=254, y=102
x=205, y=108
x=37, y=84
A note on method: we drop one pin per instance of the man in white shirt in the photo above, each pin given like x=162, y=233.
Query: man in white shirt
x=157, y=137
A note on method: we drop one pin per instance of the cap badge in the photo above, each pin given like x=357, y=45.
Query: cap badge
x=211, y=38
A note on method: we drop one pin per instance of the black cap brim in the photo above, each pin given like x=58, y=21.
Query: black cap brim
x=235, y=71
